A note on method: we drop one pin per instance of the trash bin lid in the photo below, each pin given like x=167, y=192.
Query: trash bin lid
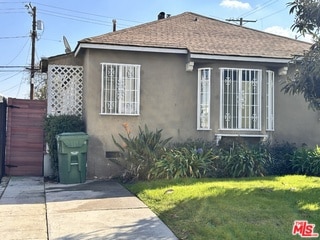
x=73, y=139
x=66, y=134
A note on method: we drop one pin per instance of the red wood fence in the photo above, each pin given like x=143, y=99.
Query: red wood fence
x=25, y=143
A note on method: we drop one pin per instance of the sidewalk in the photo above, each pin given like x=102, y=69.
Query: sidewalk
x=30, y=209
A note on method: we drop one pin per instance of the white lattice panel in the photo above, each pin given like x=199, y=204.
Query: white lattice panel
x=65, y=83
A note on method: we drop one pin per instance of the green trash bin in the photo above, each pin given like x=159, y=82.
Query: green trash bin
x=72, y=157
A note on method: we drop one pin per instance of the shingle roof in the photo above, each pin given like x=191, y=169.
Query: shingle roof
x=203, y=35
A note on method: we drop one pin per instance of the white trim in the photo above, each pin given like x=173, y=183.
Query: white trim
x=220, y=135
x=239, y=58
x=180, y=51
x=208, y=98
x=129, y=48
x=221, y=101
x=270, y=101
x=240, y=135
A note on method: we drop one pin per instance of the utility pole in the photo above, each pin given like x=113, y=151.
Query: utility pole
x=241, y=20
x=33, y=13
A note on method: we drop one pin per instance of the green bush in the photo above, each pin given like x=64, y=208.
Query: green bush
x=195, y=144
x=245, y=160
x=147, y=157
x=281, y=155
x=306, y=161
x=183, y=162
x=141, y=152
x=54, y=125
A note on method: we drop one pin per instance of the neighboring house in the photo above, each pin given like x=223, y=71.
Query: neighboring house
x=190, y=75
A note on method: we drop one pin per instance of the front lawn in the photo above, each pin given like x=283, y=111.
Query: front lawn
x=246, y=208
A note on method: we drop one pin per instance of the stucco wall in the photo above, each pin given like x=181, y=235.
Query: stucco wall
x=294, y=121
x=66, y=59
x=168, y=101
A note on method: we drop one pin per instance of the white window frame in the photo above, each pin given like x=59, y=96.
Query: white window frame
x=120, y=89
x=239, y=101
x=270, y=101
x=204, y=99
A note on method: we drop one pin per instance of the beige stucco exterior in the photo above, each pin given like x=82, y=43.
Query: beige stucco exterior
x=168, y=101
x=169, y=87
x=294, y=121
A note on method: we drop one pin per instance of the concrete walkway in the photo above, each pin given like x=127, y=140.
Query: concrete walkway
x=32, y=209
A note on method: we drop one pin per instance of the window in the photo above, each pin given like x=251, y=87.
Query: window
x=203, y=104
x=120, y=92
x=270, y=101
x=240, y=99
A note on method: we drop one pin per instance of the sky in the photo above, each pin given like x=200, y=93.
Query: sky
x=79, y=19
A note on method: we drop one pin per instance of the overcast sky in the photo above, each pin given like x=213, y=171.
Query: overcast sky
x=78, y=19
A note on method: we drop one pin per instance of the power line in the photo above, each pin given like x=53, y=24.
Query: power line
x=11, y=2
x=14, y=37
x=53, y=40
x=12, y=76
x=75, y=18
x=78, y=18
x=11, y=9
x=274, y=13
x=8, y=11
x=259, y=8
x=85, y=13
x=6, y=66
x=20, y=51
x=8, y=71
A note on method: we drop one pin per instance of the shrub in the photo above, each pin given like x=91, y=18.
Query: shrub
x=183, y=162
x=306, y=161
x=141, y=152
x=281, y=155
x=195, y=144
x=245, y=160
x=54, y=125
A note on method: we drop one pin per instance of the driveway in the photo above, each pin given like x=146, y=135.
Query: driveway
x=99, y=209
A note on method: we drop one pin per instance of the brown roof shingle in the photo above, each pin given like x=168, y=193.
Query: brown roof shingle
x=199, y=34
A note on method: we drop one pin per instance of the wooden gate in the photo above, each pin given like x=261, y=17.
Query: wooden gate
x=25, y=143
x=3, y=118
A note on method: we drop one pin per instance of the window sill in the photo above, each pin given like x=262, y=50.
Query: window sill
x=220, y=135
x=118, y=114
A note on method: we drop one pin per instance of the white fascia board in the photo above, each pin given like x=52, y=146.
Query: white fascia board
x=237, y=58
x=178, y=51
x=129, y=48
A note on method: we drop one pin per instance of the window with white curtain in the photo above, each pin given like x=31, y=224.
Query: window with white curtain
x=203, y=103
x=120, y=89
x=240, y=99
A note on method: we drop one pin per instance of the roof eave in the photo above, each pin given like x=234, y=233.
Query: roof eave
x=202, y=56
x=239, y=58
x=129, y=48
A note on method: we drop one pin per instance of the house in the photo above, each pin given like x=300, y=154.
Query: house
x=190, y=75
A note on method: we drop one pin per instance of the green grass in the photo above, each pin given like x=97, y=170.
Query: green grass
x=248, y=208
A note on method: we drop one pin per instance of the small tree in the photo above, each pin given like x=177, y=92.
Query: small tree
x=306, y=78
